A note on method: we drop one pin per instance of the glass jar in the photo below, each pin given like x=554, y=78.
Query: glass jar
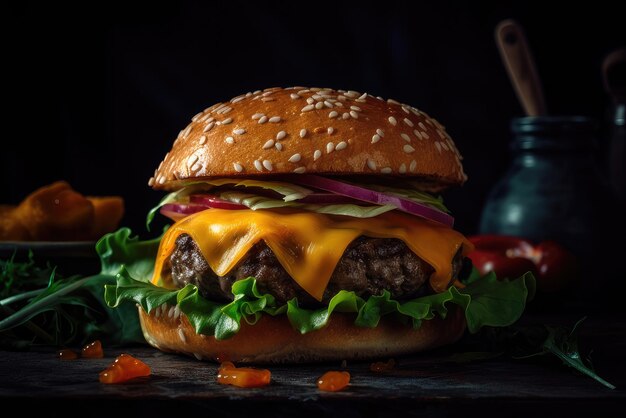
x=553, y=189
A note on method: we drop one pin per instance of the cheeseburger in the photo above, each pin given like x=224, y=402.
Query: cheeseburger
x=308, y=227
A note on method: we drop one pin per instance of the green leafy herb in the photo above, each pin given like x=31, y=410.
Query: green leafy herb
x=72, y=310
x=563, y=343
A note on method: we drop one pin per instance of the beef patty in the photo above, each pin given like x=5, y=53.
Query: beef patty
x=367, y=267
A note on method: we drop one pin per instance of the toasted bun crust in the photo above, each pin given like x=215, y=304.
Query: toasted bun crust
x=321, y=131
x=273, y=340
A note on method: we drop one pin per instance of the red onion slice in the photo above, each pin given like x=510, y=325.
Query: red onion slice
x=367, y=195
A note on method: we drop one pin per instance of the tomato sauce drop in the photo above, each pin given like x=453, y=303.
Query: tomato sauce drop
x=243, y=377
x=380, y=366
x=333, y=381
x=93, y=350
x=67, y=354
x=125, y=367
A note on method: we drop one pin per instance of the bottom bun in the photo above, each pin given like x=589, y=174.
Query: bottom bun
x=273, y=340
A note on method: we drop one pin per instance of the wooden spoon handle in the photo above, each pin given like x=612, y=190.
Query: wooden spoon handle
x=520, y=66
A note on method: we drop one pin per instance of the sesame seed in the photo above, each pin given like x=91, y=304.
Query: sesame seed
x=341, y=97
x=444, y=146
x=328, y=104
x=441, y=134
x=406, y=137
x=269, y=144
x=238, y=167
x=345, y=116
x=316, y=97
x=406, y=110
x=351, y=94
x=196, y=116
x=380, y=132
x=385, y=170
x=294, y=96
x=202, y=140
x=267, y=164
x=354, y=114
x=248, y=94
x=263, y=119
x=402, y=168
x=256, y=92
x=338, y=104
x=258, y=165
x=358, y=109
x=161, y=180
x=307, y=108
x=330, y=130
x=294, y=158
x=330, y=147
x=333, y=114
x=300, y=170
x=319, y=105
x=392, y=101
x=413, y=166
x=151, y=181
x=317, y=154
x=281, y=135
x=225, y=111
x=227, y=121
x=196, y=167
x=209, y=127
x=302, y=133
x=192, y=160
x=341, y=145
x=408, y=149
x=408, y=122
x=182, y=335
x=239, y=131
x=371, y=164
x=303, y=91
x=425, y=135
x=278, y=146
x=417, y=134
x=363, y=96
x=310, y=100
x=274, y=119
x=421, y=125
x=360, y=100
x=237, y=99
x=393, y=120
x=438, y=146
x=257, y=116
x=267, y=93
x=375, y=138
x=198, y=356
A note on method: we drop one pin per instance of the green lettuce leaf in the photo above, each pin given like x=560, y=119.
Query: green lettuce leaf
x=289, y=191
x=485, y=301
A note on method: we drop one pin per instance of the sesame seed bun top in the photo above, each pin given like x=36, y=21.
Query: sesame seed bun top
x=312, y=130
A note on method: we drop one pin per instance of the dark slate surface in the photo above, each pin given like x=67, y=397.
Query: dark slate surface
x=422, y=385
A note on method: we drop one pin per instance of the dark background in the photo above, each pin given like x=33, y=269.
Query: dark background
x=97, y=96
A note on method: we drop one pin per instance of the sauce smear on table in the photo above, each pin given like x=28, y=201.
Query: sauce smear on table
x=124, y=368
x=93, y=350
x=243, y=377
x=67, y=354
x=333, y=381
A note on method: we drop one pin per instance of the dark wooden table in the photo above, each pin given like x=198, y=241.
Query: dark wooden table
x=421, y=385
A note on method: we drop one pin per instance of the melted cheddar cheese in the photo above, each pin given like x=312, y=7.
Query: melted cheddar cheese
x=307, y=244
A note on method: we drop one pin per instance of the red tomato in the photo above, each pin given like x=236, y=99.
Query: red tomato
x=557, y=267
x=504, y=255
x=554, y=266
